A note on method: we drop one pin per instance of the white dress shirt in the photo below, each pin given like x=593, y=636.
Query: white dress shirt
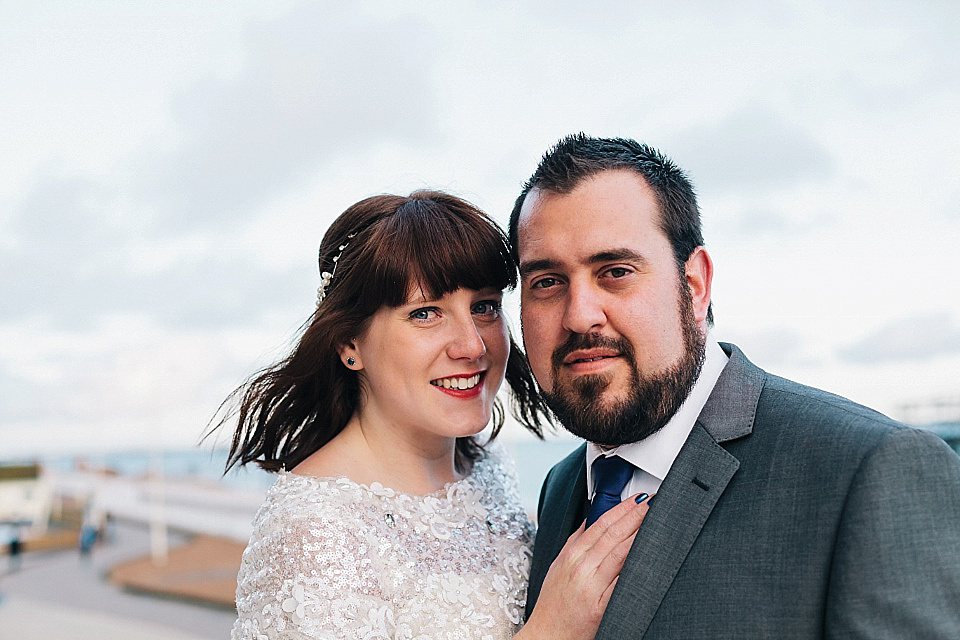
x=653, y=456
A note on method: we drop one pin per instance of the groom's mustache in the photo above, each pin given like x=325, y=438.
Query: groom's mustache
x=576, y=341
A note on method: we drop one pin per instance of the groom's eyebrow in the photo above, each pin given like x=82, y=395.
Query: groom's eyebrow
x=544, y=264
x=616, y=255
x=607, y=255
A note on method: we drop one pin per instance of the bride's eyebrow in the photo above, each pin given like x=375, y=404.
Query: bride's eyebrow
x=417, y=296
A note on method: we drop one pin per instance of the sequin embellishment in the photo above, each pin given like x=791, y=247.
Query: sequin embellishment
x=329, y=557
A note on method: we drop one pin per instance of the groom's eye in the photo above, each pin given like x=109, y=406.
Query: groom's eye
x=544, y=283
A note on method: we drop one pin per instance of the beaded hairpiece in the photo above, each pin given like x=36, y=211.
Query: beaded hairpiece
x=327, y=276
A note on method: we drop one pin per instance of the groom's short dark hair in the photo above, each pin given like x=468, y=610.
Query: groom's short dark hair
x=580, y=156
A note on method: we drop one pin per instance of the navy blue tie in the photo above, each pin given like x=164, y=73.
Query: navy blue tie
x=610, y=475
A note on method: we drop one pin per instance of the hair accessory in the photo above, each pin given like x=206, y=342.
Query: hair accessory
x=351, y=361
x=327, y=276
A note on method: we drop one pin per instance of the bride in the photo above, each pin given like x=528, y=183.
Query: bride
x=388, y=518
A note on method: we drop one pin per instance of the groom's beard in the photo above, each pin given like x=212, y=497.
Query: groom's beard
x=652, y=400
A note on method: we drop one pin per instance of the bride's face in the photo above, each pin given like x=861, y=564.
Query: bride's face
x=432, y=368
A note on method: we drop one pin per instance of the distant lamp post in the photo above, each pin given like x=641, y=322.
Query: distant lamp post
x=159, y=546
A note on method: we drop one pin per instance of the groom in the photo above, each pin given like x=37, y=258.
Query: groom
x=780, y=511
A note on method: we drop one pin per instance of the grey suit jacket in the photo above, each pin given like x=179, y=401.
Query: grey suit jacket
x=789, y=513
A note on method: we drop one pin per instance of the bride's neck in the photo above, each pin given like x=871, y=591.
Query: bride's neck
x=367, y=452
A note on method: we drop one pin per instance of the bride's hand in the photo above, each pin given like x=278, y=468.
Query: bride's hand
x=578, y=584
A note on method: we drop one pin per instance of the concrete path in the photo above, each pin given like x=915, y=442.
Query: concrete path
x=61, y=595
x=22, y=618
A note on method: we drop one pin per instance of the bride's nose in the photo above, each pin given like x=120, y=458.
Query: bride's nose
x=466, y=342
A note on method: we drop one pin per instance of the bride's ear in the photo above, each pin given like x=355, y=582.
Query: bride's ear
x=350, y=356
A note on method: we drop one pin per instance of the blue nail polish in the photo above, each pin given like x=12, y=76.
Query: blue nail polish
x=642, y=497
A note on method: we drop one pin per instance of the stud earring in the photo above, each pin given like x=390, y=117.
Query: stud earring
x=351, y=361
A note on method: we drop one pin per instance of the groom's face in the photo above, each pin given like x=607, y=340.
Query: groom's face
x=613, y=329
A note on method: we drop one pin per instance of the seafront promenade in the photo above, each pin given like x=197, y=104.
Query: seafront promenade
x=193, y=505
x=118, y=591
x=61, y=595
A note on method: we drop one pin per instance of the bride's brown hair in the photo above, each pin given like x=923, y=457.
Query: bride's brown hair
x=431, y=240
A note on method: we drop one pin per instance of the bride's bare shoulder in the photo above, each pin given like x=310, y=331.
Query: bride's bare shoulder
x=333, y=459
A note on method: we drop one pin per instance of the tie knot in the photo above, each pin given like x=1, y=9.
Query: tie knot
x=611, y=474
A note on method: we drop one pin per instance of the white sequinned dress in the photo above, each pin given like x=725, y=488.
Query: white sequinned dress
x=330, y=558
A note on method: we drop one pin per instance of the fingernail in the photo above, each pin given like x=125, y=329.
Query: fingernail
x=643, y=496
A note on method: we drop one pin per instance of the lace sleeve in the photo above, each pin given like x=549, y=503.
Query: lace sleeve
x=309, y=573
x=331, y=558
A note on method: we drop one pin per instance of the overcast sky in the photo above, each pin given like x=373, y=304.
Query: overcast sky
x=169, y=168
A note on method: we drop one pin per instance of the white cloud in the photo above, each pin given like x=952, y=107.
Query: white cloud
x=323, y=82
x=78, y=258
x=170, y=167
x=125, y=382
x=916, y=338
x=752, y=149
x=771, y=348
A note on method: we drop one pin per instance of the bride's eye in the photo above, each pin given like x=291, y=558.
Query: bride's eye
x=487, y=308
x=424, y=314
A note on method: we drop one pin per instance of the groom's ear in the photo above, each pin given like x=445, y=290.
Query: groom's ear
x=698, y=271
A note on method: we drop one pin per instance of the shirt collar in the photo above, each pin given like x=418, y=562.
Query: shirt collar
x=656, y=453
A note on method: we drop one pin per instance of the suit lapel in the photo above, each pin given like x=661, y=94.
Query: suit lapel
x=685, y=500
x=574, y=497
x=687, y=497
x=561, y=512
